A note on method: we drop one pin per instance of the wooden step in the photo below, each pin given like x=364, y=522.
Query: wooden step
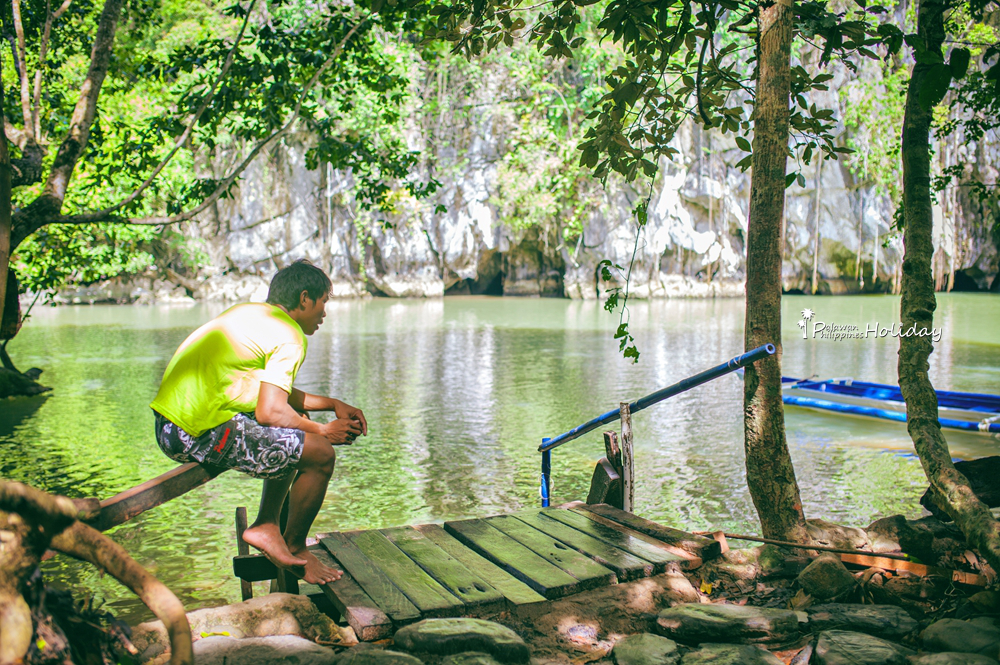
x=618, y=537
x=588, y=572
x=370, y=578
x=475, y=592
x=432, y=599
x=355, y=606
x=519, y=596
x=521, y=562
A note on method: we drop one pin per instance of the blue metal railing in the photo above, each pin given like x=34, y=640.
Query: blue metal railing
x=548, y=444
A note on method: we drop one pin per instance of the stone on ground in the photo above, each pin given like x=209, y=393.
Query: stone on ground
x=695, y=623
x=730, y=654
x=826, y=578
x=367, y=654
x=448, y=636
x=285, y=649
x=841, y=647
x=975, y=636
x=826, y=533
x=951, y=658
x=885, y=621
x=645, y=649
x=266, y=616
x=469, y=658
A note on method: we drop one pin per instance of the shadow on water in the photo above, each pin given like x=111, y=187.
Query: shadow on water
x=16, y=410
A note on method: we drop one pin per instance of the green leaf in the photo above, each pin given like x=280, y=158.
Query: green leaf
x=959, y=62
x=789, y=179
x=934, y=85
x=743, y=144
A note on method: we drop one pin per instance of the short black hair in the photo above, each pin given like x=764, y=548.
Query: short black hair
x=289, y=283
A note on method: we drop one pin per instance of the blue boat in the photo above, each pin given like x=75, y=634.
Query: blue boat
x=968, y=412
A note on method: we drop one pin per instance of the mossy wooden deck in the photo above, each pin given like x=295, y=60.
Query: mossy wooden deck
x=481, y=567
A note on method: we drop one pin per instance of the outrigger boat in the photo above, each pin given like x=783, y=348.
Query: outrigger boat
x=968, y=412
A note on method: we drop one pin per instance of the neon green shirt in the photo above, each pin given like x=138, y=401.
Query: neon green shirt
x=217, y=371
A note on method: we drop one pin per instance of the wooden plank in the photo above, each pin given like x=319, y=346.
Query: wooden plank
x=516, y=559
x=243, y=549
x=687, y=561
x=362, y=613
x=704, y=548
x=605, y=485
x=370, y=578
x=617, y=537
x=625, y=566
x=254, y=568
x=432, y=599
x=519, y=595
x=589, y=573
x=920, y=569
x=152, y=493
x=614, y=456
x=474, y=591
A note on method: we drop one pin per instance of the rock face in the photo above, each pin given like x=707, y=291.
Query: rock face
x=286, y=649
x=730, y=654
x=450, y=636
x=980, y=636
x=697, y=623
x=826, y=578
x=841, y=647
x=885, y=621
x=645, y=649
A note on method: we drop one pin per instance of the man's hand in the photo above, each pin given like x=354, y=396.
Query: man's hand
x=341, y=431
x=351, y=413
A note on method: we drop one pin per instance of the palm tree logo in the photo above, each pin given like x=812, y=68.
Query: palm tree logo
x=807, y=316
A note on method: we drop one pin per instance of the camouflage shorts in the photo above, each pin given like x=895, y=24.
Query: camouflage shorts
x=240, y=443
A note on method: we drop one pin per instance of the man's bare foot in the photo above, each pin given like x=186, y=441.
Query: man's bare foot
x=267, y=538
x=315, y=571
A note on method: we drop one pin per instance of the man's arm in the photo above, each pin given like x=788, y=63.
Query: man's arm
x=302, y=401
x=276, y=408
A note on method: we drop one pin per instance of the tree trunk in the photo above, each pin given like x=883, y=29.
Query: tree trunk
x=770, y=475
x=5, y=223
x=917, y=311
x=816, y=238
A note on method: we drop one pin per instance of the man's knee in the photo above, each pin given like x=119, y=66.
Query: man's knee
x=318, y=455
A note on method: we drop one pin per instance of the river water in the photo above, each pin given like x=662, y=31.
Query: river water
x=458, y=394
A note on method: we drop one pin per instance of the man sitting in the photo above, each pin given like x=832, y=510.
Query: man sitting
x=227, y=399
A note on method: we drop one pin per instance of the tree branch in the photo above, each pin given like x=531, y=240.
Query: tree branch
x=108, y=214
x=182, y=139
x=36, y=96
x=22, y=64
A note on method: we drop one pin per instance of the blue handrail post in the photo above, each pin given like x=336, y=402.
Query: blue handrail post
x=546, y=474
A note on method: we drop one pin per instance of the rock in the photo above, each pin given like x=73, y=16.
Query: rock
x=266, y=616
x=822, y=532
x=951, y=658
x=469, y=658
x=645, y=649
x=448, y=636
x=885, y=621
x=982, y=637
x=694, y=623
x=826, y=578
x=928, y=538
x=730, y=654
x=285, y=649
x=366, y=654
x=15, y=384
x=841, y=647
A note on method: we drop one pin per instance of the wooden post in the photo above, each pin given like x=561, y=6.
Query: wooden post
x=628, y=477
x=243, y=549
x=286, y=581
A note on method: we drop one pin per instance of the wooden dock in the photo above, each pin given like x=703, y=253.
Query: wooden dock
x=482, y=567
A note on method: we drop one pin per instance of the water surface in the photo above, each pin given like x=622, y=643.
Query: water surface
x=458, y=394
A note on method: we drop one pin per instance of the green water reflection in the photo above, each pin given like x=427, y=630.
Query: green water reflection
x=458, y=393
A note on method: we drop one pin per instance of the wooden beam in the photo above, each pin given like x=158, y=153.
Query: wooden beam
x=180, y=480
x=605, y=485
